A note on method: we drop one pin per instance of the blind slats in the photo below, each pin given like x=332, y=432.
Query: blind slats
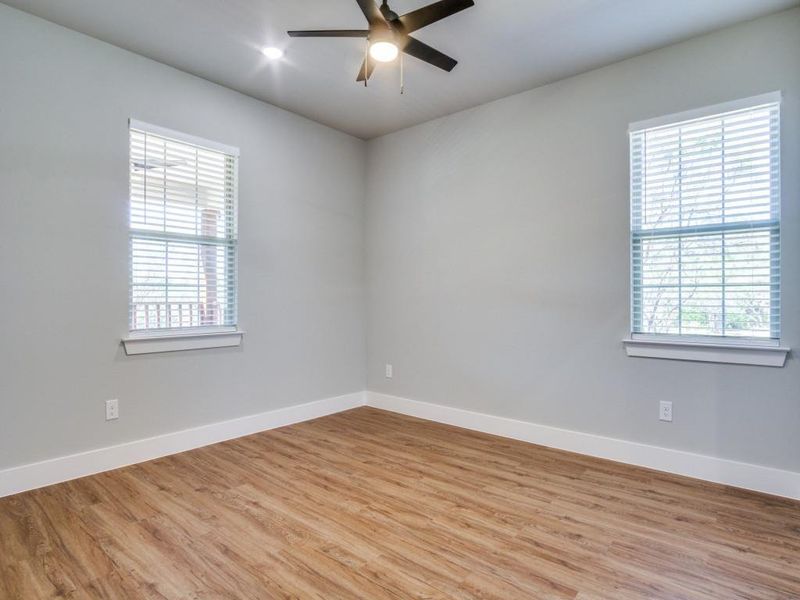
x=705, y=226
x=183, y=234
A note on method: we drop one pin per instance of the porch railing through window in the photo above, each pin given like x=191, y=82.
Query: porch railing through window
x=146, y=315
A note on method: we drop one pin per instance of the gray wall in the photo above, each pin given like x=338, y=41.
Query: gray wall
x=496, y=253
x=497, y=256
x=65, y=100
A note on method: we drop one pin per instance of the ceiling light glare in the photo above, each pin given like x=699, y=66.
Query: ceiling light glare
x=272, y=53
x=383, y=51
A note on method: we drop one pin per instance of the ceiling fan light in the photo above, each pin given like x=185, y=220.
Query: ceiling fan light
x=383, y=51
x=272, y=53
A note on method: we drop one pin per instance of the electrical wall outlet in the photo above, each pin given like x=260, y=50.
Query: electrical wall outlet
x=112, y=409
x=389, y=372
x=665, y=411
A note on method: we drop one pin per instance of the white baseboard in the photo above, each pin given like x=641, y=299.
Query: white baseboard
x=64, y=468
x=717, y=470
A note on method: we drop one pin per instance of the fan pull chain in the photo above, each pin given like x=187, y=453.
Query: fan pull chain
x=402, y=74
x=366, y=63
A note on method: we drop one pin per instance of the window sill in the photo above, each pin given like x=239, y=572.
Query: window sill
x=151, y=343
x=702, y=351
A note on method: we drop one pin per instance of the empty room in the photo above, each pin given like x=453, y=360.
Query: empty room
x=369, y=299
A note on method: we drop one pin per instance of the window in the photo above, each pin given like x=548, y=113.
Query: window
x=183, y=233
x=706, y=226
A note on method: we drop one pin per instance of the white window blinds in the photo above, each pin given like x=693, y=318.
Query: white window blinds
x=705, y=224
x=183, y=231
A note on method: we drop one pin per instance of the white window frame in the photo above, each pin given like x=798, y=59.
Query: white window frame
x=746, y=351
x=187, y=338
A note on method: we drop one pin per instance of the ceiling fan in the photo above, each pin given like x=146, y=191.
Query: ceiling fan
x=388, y=34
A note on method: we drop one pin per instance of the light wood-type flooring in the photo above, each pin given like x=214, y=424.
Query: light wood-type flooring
x=370, y=505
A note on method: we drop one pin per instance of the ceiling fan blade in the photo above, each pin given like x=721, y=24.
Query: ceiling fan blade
x=430, y=55
x=345, y=33
x=388, y=13
x=371, y=11
x=369, y=72
x=417, y=19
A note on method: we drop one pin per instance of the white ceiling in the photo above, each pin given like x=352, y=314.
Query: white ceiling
x=504, y=47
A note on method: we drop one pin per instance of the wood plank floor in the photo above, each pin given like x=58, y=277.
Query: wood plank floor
x=368, y=504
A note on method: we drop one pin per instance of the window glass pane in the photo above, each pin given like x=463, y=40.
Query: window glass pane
x=183, y=234
x=660, y=308
x=705, y=220
x=748, y=277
